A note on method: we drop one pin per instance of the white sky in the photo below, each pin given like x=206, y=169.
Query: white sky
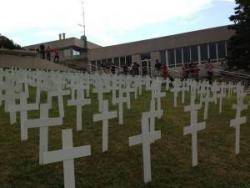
x=104, y=18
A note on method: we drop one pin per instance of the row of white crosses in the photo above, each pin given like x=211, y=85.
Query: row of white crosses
x=56, y=86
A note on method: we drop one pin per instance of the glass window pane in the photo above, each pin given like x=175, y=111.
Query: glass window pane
x=122, y=61
x=145, y=56
x=98, y=63
x=116, y=61
x=171, y=58
x=163, y=56
x=212, y=50
x=204, y=56
x=179, y=56
x=222, y=49
x=128, y=60
x=194, y=53
x=186, y=53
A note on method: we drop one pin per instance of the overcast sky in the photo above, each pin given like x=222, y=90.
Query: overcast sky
x=108, y=22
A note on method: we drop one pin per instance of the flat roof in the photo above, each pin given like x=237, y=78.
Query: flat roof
x=168, y=42
x=65, y=43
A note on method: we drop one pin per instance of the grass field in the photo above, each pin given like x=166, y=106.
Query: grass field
x=121, y=166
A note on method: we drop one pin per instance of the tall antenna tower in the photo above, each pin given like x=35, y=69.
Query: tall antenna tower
x=83, y=25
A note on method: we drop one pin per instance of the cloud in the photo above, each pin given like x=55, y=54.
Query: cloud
x=104, y=18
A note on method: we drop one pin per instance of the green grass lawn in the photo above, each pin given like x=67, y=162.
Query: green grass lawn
x=121, y=166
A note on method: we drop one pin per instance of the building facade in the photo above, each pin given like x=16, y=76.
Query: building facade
x=175, y=50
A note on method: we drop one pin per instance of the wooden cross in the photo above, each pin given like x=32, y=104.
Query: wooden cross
x=58, y=93
x=23, y=108
x=67, y=154
x=194, y=128
x=79, y=102
x=104, y=116
x=153, y=113
x=221, y=96
x=175, y=90
x=120, y=100
x=146, y=138
x=235, y=123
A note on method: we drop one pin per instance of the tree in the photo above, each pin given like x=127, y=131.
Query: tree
x=7, y=43
x=239, y=44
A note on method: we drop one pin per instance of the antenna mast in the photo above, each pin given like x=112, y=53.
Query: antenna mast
x=83, y=19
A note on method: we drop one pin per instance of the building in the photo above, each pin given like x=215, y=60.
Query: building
x=69, y=48
x=174, y=50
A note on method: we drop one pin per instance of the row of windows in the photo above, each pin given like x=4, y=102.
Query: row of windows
x=174, y=56
x=190, y=53
x=122, y=61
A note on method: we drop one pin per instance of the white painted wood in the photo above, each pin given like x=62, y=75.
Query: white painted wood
x=67, y=155
x=79, y=102
x=194, y=127
x=146, y=138
x=238, y=121
x=104, y=116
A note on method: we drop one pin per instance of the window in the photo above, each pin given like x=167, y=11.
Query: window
x=163, y=57
x=98, y=63
x=204, y=55
x=179, y=56
x=104, y=62
x=122, y=60
x=171, y=58
x=128, y=60
x=116, y=61
x=109, y=62
x=76, y=53
x=222, y=49
x=212, y=51
x=194, y=53
x=145, y=56
x=186, y=53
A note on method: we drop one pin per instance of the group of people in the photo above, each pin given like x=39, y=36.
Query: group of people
x=190, y=70
x=47, y=53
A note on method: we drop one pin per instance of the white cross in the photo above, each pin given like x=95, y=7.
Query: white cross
x=207, y=100
x=104, y=117
x=221, y=96
x=235, y=123
x=153, y=113
x=184, y=88
x=100, y=91
x=175, y=90
x=67, y=155
x=157, y=94
x=59, y=93
x=194, y=128
x=146, y=138
x=79, y=102
x=23, y=108
x=43, y=123
x=120, y=100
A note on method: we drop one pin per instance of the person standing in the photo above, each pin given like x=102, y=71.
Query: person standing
x=48, y=53
x=157, y=67
x=165, y=71
x=56, y=57
x=42, y=51
x=210, y=71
